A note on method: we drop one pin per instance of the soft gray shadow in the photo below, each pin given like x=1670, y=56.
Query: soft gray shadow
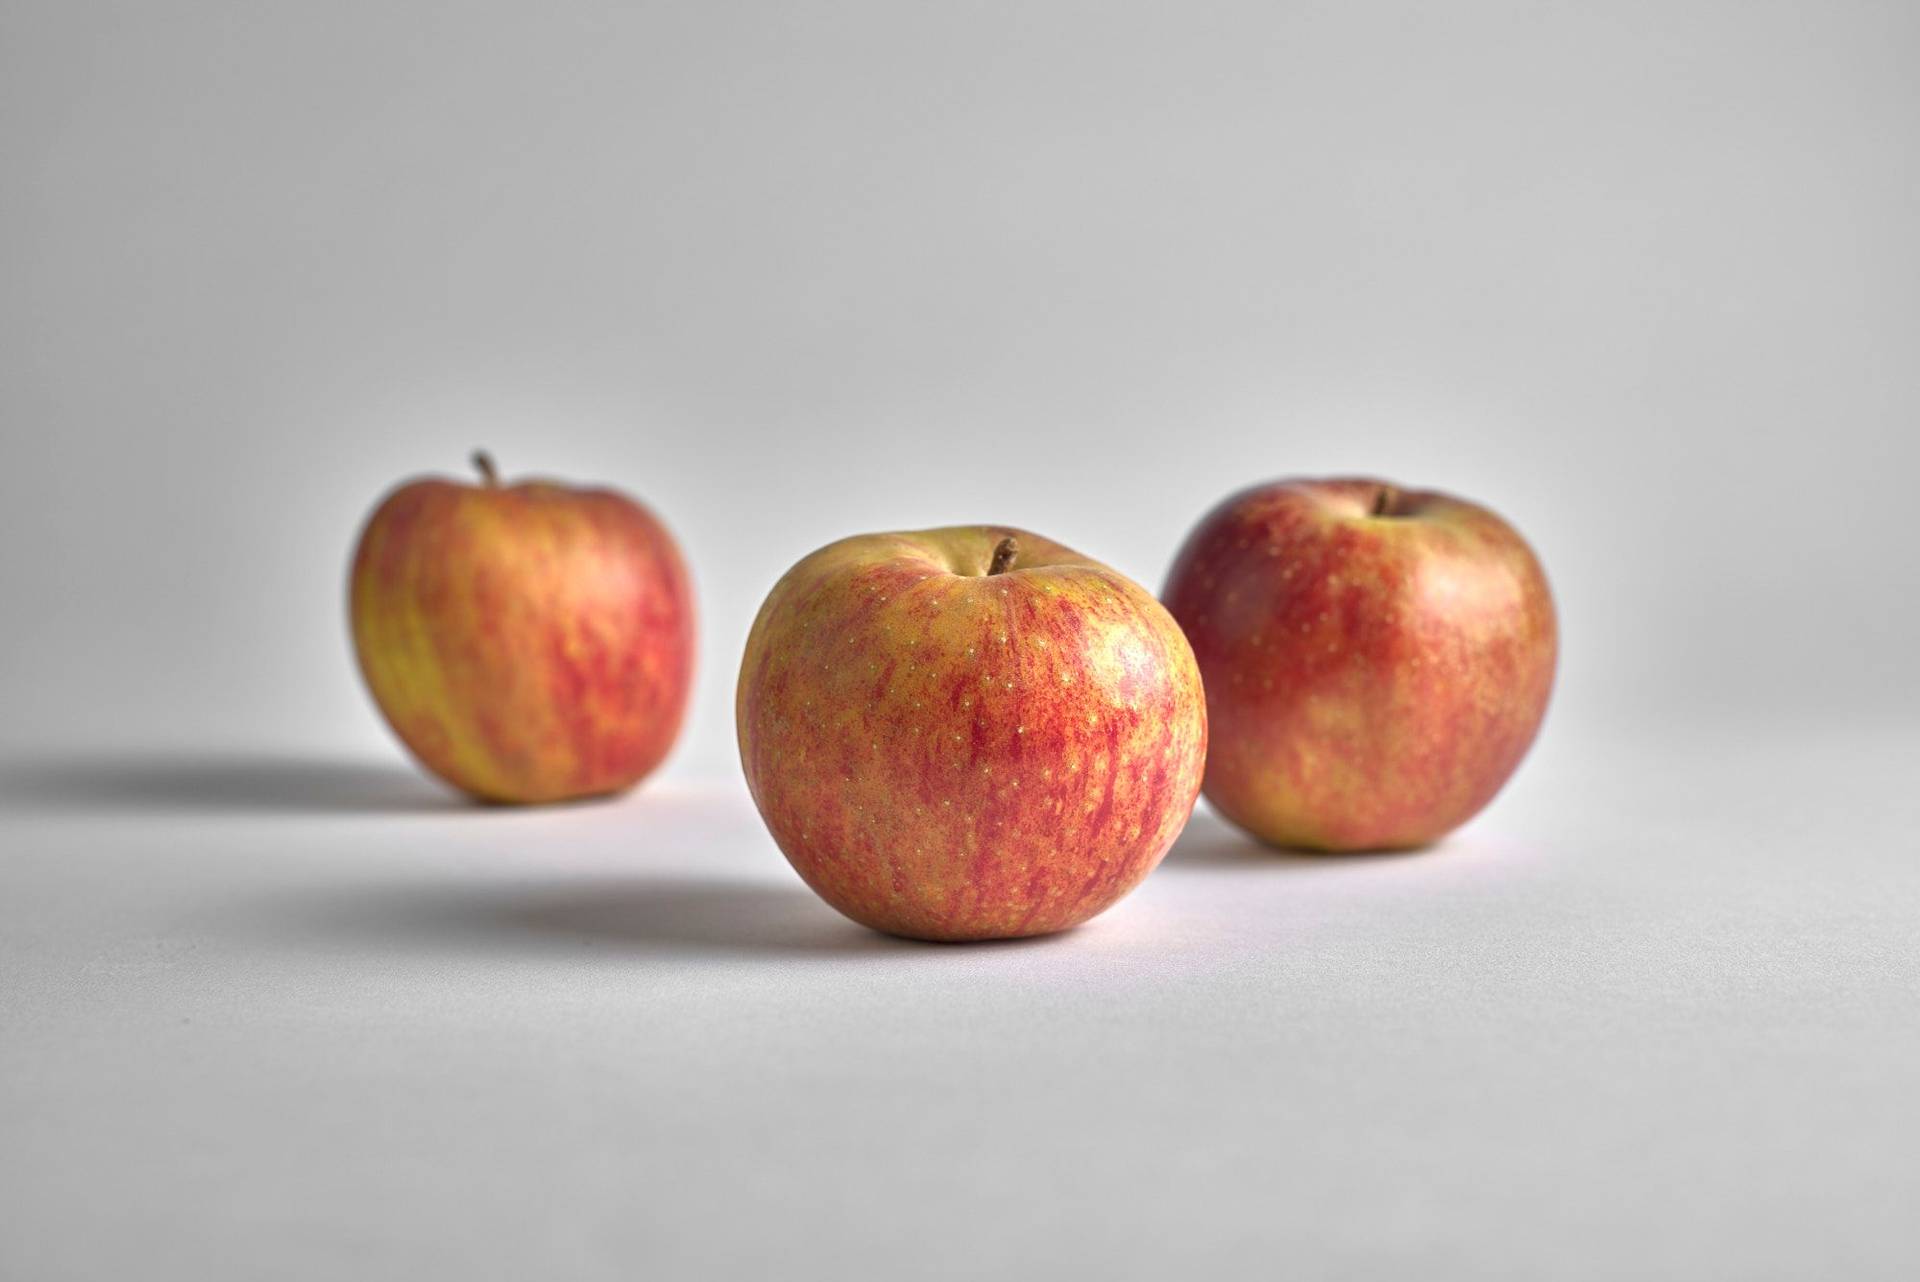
x=627, y=915
x=193, y=783
x=1211, y=842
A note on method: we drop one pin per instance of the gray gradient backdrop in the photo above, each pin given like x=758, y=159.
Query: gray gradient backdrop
x=1644, y=277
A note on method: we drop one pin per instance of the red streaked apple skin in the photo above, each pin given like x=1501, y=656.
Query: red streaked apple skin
x=947, y=755
x=528, y=643
x=1372, y=679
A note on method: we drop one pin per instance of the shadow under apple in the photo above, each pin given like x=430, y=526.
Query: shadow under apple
x=628, y=915
x=199, y=783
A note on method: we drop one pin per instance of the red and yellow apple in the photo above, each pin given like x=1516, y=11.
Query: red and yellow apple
x=528, y=642
x=1377, y=660
x=968, y=733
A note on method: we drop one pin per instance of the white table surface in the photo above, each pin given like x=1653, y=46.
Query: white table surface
x=1657, y=1014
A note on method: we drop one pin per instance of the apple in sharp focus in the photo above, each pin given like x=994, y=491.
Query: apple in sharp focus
x=969, y=733
x=1377, y=660
x=529, y=642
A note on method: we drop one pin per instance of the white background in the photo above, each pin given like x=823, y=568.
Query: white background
x=1641, y=277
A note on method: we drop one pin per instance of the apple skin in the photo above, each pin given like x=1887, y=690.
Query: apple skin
x=529, y=642
x=1372, y=679
x=945, y=754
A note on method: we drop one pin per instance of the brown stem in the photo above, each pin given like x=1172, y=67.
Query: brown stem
x=1003, y=555
x=489, y=475
x=1383, y=501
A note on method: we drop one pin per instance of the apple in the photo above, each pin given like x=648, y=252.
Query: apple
x=968, y=733
x=528, y=642
x=1377, y=660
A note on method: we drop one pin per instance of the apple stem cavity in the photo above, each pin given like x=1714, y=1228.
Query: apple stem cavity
x=1003, y=555
x=1383, y=501
x=489, y=475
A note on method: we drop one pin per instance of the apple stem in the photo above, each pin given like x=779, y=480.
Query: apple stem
x=483, y=463
x=1383, y=501
x=1003, y=555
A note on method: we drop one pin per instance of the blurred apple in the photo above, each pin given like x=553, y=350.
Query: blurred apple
x=528, y=642
x=1377, y=660
x=968, y=733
